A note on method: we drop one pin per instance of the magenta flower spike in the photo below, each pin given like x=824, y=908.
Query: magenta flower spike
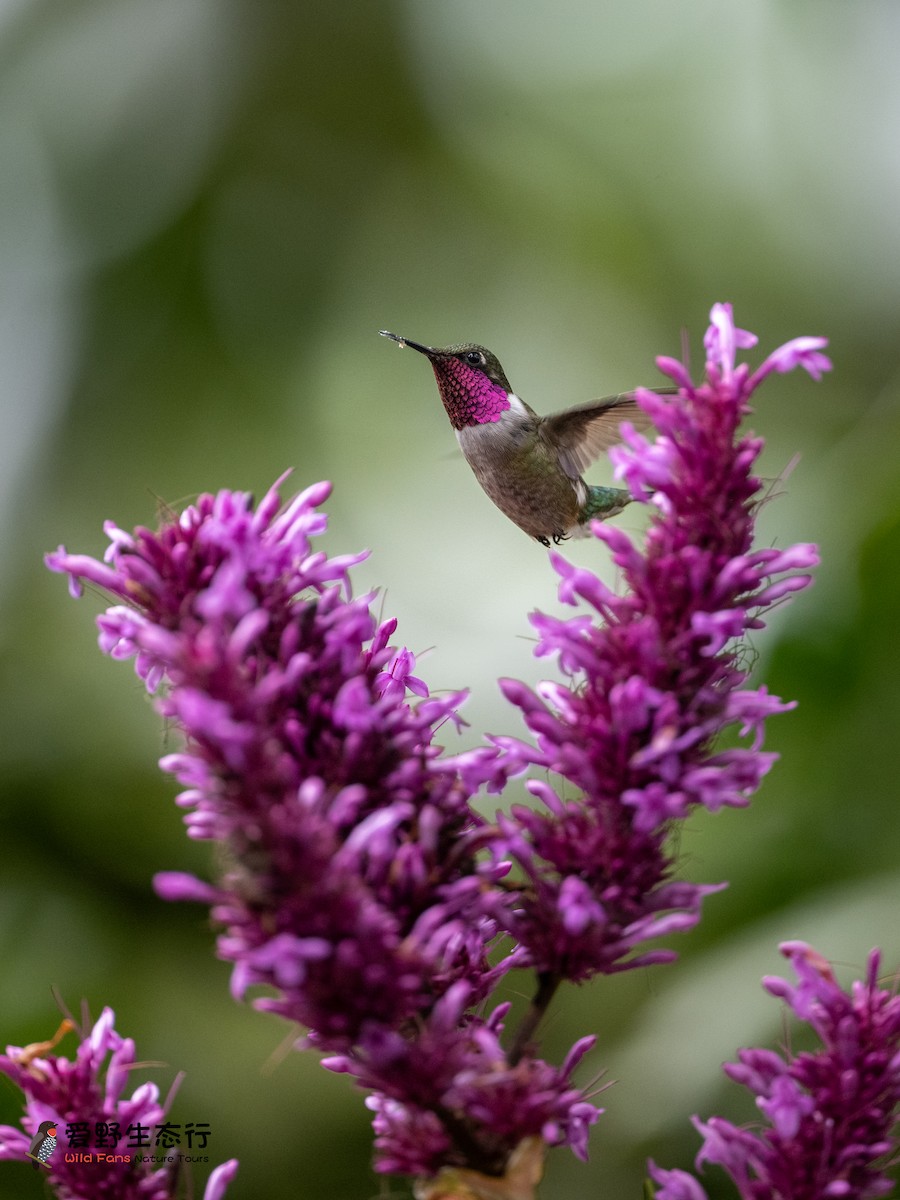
x=654, y=679
x=830, y=1114
x=357, y=890
x=78, y=1101
x=302, y=757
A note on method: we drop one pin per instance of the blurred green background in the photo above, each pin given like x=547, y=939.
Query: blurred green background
x=207, y=210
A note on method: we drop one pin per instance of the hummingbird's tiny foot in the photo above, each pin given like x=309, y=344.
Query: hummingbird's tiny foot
x=560, y=537
x=545, y=542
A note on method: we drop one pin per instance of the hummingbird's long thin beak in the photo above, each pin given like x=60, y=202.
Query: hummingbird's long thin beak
x=395, y=337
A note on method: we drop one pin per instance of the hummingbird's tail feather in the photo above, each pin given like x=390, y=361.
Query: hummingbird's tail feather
x=602, y=502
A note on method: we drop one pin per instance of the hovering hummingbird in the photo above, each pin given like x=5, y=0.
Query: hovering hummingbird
x=530, y=466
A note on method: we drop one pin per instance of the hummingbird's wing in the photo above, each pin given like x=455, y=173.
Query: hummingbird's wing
x=581, y=434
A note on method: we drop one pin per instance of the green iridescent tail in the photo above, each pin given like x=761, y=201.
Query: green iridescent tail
x=603, y=502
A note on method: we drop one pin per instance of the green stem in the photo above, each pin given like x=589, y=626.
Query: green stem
x=546, y=989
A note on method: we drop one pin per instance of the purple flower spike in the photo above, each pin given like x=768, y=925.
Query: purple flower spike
x=830, y=1113
x=655, y=678
x=81, y=1096
x=345, y=828
x=358, y=893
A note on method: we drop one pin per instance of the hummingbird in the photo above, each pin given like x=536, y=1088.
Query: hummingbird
x=530, y=466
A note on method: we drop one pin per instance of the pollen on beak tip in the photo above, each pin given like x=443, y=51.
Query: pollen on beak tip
x=401, y=342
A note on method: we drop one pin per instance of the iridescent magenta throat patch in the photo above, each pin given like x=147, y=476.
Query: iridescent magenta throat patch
x=469, y=397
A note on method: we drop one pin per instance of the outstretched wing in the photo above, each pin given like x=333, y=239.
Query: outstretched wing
x=581, y=434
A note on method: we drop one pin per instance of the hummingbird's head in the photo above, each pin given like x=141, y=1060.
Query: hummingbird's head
x=473, y=385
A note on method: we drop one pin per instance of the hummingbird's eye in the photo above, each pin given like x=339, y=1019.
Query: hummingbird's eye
x=476, y=359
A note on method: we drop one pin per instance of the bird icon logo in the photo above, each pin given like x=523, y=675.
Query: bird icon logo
x=43, y=1144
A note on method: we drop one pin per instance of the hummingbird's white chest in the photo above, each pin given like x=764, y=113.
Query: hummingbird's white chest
x=520, y=473
x=508, y=426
